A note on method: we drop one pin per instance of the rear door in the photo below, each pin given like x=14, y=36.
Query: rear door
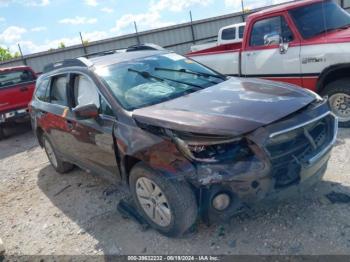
x=94, y=143
x=262, y=57
x=16, y=89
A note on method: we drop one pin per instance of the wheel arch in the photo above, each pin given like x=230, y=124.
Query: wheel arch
x=39, y=132
x=127, y=164
x=332, y=73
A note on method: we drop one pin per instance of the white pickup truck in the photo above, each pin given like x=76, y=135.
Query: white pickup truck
x=227, y=35
x=306, y=43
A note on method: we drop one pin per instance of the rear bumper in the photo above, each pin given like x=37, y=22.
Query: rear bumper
x=14, y=115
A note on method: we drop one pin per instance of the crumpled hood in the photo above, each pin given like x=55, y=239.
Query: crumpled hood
x=234, y=107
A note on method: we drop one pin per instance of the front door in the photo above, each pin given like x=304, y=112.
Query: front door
x=94, y=142
x=263, y=57
x=54, y=115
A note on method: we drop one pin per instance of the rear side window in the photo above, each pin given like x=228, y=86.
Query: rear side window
x=228, y=34
x=15, y=77
x=42, y=91
x=59, y=91
x=268, y=32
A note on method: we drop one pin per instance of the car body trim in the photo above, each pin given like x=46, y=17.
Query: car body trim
x=301, y=125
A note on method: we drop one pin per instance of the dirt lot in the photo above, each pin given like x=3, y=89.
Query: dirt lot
x=37, y=217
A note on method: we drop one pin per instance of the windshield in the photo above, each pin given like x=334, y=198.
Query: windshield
x=15, y=77
x=155, y=79
x=315, y=19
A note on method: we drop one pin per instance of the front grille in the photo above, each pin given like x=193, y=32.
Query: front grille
x=291, y=150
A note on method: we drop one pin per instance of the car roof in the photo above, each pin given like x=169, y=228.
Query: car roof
x=121, y=57
x=284, y=7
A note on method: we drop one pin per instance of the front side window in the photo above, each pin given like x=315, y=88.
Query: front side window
x=270, y=32
x=228, y=34
x=85, y=92
x=58, y=94
x=42, y=91
x=15, y=77
x=155, y=79
x=316, y=19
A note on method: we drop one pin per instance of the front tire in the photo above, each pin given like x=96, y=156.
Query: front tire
x=169, y=206
x=57, y=163
x=338, y=93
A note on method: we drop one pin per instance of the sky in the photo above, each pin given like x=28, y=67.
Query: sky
x=39, y=25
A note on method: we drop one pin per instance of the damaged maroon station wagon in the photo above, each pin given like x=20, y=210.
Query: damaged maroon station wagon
x=188, y=141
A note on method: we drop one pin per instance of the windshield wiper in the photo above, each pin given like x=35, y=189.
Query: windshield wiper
x=186, y=71
x=147, y=75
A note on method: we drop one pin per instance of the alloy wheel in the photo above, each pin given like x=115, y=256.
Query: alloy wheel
x=153, y=201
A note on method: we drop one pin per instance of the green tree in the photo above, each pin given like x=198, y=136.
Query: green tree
x=61, y=45
x=5, y=54
x=16, y=55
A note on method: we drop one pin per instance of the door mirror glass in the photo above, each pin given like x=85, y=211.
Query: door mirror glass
x=89, y=111
x=272, y=39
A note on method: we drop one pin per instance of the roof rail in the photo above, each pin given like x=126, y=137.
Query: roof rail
x=83, y=61
x=65, y=63
x=144, y=47
x=103, y=53
x=133, y=48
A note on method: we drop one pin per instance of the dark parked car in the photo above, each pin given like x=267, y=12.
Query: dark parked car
x=17, y=85
x=186, y=140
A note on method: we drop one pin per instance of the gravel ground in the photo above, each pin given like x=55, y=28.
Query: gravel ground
x=37, y=217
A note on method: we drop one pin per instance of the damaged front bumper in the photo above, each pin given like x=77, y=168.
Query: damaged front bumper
x=287, y=157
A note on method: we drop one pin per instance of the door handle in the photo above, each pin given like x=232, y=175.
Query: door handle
x=23, y=89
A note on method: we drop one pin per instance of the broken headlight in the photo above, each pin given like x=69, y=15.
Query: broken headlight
x=213, y=150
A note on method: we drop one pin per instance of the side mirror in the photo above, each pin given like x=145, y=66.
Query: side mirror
x=283, y=47
x=86, y=111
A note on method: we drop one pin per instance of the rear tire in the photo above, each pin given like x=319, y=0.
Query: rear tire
x=57, y=163
x=338, y=93
x=174, y=202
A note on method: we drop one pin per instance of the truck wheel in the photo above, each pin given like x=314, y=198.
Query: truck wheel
x=56, y=162
x=168, y=206
x=338, y=93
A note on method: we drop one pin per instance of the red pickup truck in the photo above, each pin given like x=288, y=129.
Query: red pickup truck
x=306, y=43
x=17, y=85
